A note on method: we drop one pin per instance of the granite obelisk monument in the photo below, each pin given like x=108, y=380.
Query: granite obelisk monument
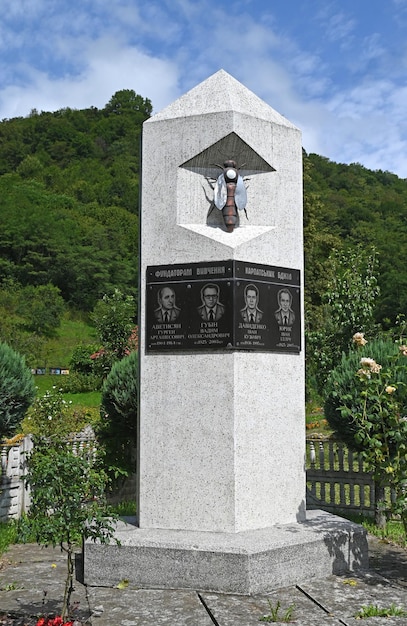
x=222, y=447
x=221, y=437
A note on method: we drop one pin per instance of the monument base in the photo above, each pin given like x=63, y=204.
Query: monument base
x=244, y=563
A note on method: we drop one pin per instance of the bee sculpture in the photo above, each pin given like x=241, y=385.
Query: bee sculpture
x=230, y=194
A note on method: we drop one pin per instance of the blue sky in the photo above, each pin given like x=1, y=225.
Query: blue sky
x=335, y=68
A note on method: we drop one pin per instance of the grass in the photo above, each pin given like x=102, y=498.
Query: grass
x=276, y=616
x=9, y=534
x=124, y=509
x=90, y=399
x=74, y=330
x=372, y=610
x=393, y=531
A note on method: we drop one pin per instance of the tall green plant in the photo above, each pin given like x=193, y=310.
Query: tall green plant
x=114, y=316
x=348, y=307
x=17, y=389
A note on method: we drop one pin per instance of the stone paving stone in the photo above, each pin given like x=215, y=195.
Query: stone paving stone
x=230, y=610
x=28, y=570
x=33, y=583
x=344, y=596
x=146, y=607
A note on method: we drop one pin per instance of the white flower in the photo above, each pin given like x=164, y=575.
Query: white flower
x=359, y=339
x=363, y=373
x=370, y=364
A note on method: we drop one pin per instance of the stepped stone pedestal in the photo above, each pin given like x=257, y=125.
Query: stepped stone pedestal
x=221, y=495
x=244, y=563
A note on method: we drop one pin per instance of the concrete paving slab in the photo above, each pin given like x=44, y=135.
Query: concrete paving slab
x=147, y=607
x=33, y=582
x=343, y=596
x=230, y=610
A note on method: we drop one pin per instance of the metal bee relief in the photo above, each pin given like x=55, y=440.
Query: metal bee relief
x=230, y=194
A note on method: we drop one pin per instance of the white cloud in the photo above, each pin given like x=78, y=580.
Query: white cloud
x=107, y=69
x=339, y=27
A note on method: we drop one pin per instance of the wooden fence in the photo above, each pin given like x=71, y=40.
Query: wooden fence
x=337, y=480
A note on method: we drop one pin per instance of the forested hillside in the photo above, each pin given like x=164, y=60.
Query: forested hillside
x=69, y=187
x=348, y=206
x=69, y=190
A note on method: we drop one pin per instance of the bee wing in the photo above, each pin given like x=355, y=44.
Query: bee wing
x=220, y=193
x=240, y=194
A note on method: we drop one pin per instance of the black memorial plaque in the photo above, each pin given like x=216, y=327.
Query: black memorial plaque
x=201, y=315
x=267, y=308
x=222, y=305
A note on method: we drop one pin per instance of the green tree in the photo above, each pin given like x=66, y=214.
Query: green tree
x=348, y=307
x=42, y=308
x=80, y=360
x=127, y=101
x=114, y=317
x=17, y=389
x=319, y=242
x=31, y=167
x=119, y=409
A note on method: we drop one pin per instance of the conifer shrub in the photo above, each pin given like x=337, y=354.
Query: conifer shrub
x=17, y=389
x=119, y=407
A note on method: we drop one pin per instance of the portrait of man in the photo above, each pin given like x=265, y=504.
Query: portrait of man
x=211, y=309
x=251, y=312
x=167, y=311
x=284, y=314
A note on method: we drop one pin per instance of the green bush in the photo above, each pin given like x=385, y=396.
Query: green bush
x=52, y=415
x=119, y=408
x=366, y=406
x=17, y=389
x=344, y=387
x=79, y=383
x=80, y=360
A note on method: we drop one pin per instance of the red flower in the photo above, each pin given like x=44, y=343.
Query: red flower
x=55, y=621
